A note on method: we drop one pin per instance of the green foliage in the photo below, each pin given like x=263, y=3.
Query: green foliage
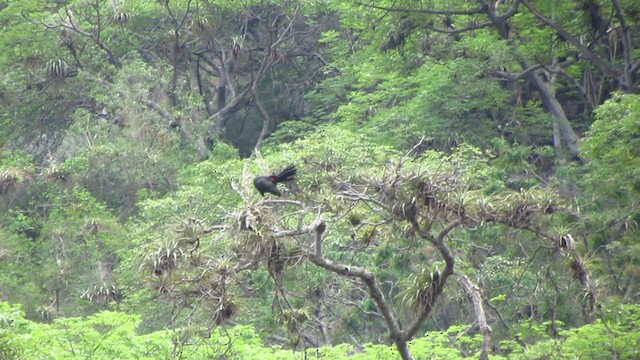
x=16, y=170
x=17, y=158
x=611, y=179
x=612, y=146
x=65, y=249
x=612, y=337
x=109, y=335
x=117, y=193
x=12, y=322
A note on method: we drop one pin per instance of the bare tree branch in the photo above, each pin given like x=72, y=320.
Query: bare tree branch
x=627, y=46
x=374, y=290
x=584, y=50
x=365, y=312
x=461, y=30
x=507, y=14
x=424, y=11
x=70, y=24
x=524, y=74
x=266, y=63
x=436, y=287
x=498, y=313
x=473, y=292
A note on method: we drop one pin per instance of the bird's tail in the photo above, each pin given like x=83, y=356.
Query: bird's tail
x=287, y=174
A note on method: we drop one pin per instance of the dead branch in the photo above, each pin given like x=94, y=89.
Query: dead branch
x=473, y=292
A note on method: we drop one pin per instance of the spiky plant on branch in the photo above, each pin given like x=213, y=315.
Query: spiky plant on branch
x=409, y=203
x=11, y=177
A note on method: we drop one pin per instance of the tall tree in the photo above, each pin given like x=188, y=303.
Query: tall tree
x=356, y=225
x=605, y=47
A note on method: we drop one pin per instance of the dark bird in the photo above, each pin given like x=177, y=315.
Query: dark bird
x=269, y=184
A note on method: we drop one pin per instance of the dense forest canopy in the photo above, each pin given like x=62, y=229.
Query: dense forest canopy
x=467, y=179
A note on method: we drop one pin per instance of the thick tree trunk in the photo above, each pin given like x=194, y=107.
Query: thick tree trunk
x=555, y=108
x=552, y=104
x=557, y=141
x=631, y=66
x=201, y=88
x=221, y=91
x=403, y=349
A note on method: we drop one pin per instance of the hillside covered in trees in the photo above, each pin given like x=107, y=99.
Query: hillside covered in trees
x=467, y=186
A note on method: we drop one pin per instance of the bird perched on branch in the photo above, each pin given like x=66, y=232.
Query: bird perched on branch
x=269, y=184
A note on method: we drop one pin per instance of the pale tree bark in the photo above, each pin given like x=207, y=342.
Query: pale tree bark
x=499, y=21
x=559, y=116
x=626, y=74
x=631, y=69
x=369, y=279
x=535, y=77
x=475, y=296
x=398, y=335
